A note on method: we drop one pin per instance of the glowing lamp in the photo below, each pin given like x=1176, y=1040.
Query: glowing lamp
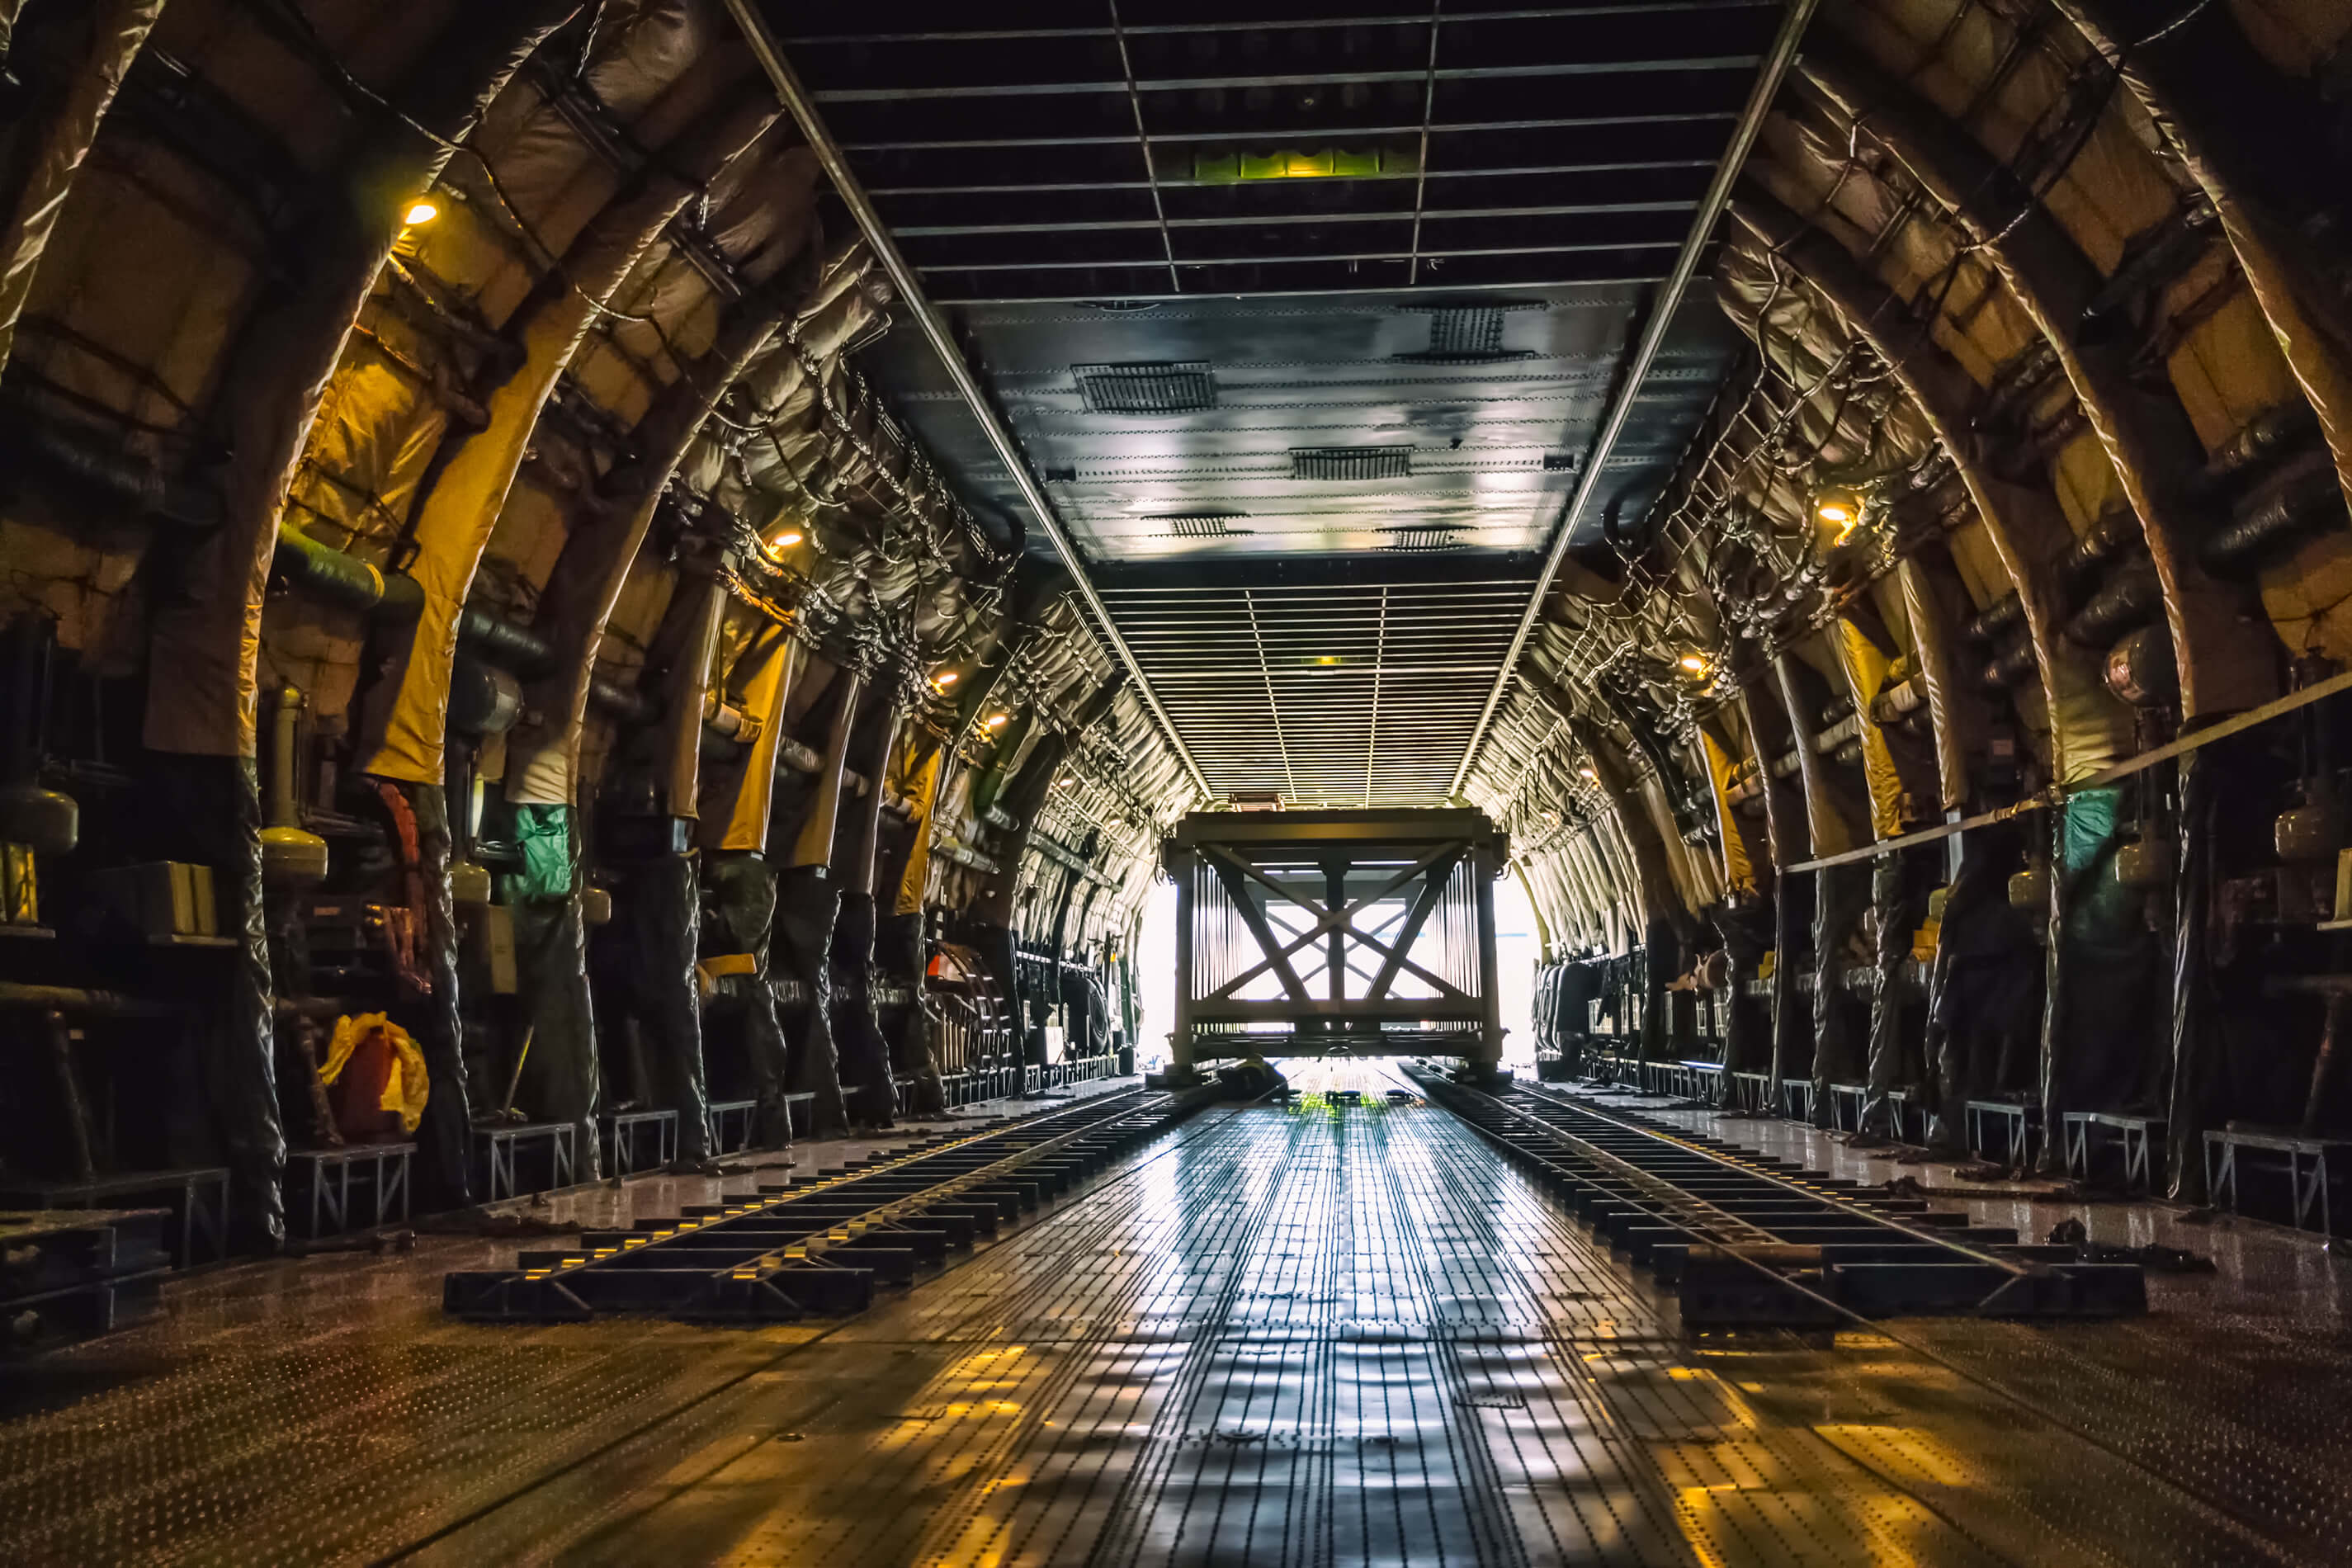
x=420, y=211
x=1840, y=509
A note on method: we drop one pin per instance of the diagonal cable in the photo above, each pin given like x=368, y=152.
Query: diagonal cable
x=1421, y=169
x=1274, y=708
x=1380, y=657
x=1143, y=140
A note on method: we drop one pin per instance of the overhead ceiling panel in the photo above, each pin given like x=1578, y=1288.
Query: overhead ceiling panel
x=1290, y=283
x=1337, y=422
x=1093, y=150
x=1329, y=694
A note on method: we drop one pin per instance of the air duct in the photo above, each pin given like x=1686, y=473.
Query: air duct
x=1903, y=697
x=1995, y=618
x=2132, y=597
x=2012, y=664
x=2299, y=507
x=92, y=459
x=334, y=575
x=2111, y=537
x=338, y=577
x=483, y=700
x=2140, y=671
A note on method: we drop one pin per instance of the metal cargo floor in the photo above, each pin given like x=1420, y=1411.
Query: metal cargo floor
x=1309, y=1336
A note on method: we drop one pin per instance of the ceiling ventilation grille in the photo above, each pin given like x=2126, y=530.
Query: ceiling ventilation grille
x=1146, y=388
x=1423, y=539
x=1468, y=334
x=1351, y=462
x=1200, y=525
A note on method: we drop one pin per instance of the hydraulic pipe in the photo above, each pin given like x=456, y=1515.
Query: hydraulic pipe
x=75, y=998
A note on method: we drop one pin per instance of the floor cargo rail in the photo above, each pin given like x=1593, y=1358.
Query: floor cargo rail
x=1751, y=1240
x=817, y=1247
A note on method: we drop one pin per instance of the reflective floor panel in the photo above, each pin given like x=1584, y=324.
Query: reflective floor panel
x=1310, y=1336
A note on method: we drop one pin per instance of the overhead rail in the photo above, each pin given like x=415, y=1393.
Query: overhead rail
x=817, y=1247
x=1637, y=368
x=796, y=100
x=1752, y=1241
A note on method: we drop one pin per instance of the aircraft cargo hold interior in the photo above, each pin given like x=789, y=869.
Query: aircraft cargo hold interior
x=1135, y=783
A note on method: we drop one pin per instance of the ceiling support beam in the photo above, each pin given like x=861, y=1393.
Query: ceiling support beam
x=2220, y=640
x=2252, y=143
x=1445, y=127
x=2029, y=533
x=797, y=103
x=1768, y=78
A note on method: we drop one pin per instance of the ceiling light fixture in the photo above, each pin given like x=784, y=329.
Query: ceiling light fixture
x=1586, y=774
x=420, y=211
x=1692, y=664
x=945, y=677
x=996, y=721
x=1840, y=508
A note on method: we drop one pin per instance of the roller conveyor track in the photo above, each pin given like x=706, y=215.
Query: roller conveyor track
x=1752, y=1240
x=818, y=1247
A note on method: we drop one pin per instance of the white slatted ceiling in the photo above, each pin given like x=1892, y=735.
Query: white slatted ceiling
x=1332, y=695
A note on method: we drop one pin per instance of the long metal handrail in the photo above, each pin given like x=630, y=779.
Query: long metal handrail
x=795, y=99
